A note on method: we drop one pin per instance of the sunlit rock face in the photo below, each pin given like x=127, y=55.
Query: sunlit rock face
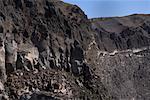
x=122, y=33
x=42, y=44
x=2, y=60
x=121, y=52
x=50, y=50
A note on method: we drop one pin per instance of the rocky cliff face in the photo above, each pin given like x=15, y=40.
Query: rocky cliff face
x=121, y=56
x=50, y=50
x=39, y=35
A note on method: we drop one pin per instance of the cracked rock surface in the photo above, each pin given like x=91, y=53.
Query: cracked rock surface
x=50, y=50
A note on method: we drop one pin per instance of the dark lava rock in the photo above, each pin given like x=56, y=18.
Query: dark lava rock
x=39, y=35
x=50, y=50
x=121, y=56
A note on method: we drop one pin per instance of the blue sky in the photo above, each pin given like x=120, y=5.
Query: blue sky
x=109, y=8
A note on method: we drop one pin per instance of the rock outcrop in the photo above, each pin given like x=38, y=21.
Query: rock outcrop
x=121, y=56
x=50, y=50
x=39, y=35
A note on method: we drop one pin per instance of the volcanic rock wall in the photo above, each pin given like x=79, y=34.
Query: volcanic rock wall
x=50, y=50
x=119, y=55
x=37, y=35
x=44, y=33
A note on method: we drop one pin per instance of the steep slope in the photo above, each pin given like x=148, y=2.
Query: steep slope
x=122, y=33
x=41, y=40
x=119, y=55
x=49, y=50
